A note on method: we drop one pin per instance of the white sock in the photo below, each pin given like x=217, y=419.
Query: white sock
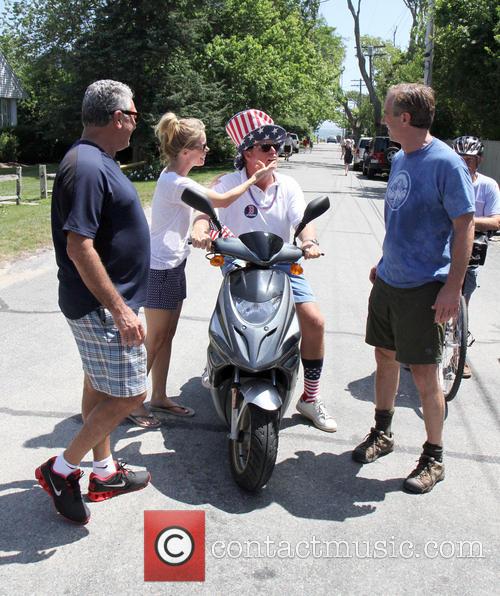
x=62, y=467
x=105, y=467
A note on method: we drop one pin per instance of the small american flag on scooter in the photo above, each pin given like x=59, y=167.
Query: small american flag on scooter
x=214, y=232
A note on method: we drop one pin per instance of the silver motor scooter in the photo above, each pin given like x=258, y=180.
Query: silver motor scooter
x=253, y=356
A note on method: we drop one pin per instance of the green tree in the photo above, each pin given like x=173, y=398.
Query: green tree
x=466, y=73
x=270, y=57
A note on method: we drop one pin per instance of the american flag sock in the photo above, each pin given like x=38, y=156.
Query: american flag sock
x=312, y=374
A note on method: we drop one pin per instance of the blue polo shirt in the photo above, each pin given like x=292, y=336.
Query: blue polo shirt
x=93, y=198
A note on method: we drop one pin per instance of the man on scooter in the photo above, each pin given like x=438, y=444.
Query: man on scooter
x=275, y=204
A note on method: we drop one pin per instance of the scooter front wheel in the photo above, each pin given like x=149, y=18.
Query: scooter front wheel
x=253, y=455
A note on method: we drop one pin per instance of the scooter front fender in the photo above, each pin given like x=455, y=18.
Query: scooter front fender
x=261, y=393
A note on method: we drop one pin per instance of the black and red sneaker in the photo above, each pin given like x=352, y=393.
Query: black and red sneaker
x=65, y=492
x=121, y=482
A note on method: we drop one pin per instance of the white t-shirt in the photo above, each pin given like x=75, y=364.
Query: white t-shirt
x=276, y=210
x=170, y=221
x=487, y=196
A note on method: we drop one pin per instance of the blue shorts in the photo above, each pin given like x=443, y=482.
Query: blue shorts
x=301, y=289
x=166, y=287
x=113, y=369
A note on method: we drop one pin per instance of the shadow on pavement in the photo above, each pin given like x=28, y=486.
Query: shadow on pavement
x=27, y=542
x=193, y=468
x=407, y=396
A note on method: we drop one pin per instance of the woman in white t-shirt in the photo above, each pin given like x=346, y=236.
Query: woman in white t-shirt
x=183, y=146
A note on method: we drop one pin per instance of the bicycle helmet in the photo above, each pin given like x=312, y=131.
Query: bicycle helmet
x=468, y=146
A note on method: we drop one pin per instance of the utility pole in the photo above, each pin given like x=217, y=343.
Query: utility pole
x=429, y=44
x=359, y=82
x=371, y=53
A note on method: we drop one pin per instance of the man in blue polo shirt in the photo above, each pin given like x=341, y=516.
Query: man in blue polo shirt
x=101, y=242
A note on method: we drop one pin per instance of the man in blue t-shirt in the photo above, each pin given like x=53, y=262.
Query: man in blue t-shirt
x=429, y=207
x=101, y=242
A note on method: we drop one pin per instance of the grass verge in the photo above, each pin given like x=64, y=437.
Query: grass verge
x=25, y=228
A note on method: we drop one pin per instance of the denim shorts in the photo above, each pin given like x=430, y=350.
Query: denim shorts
x=113, y=369
x=166, y=287
x=301, y=289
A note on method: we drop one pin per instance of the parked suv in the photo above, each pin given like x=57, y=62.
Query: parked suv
x=359, y=152
x=378, y=156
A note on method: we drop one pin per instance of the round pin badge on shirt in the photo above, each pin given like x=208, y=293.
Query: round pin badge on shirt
x=251, y=211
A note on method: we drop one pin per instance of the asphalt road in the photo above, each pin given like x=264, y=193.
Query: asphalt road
x=324, y=524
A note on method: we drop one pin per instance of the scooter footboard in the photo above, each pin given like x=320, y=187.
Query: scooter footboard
x=261, y=393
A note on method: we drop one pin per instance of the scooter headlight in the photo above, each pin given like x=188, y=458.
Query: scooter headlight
x=257, y=312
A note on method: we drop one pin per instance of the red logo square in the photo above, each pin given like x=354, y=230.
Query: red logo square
x=174, y=546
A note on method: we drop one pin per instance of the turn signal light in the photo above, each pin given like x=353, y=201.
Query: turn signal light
x=217, y=261
x=296, y=269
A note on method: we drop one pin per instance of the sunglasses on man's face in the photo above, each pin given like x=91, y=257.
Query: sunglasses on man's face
x=135, y=115
x=266, y=147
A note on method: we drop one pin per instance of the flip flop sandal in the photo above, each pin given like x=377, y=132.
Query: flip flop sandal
x=144, y=420
x=170, y=410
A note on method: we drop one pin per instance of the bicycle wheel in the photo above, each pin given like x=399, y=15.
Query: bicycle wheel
x=454, y=352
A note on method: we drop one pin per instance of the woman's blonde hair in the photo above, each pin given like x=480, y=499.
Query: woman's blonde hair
x=176, y=134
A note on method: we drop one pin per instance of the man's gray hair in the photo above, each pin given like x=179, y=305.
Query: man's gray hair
x=102, y=98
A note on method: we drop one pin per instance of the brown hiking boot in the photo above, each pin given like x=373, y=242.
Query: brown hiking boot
x=423, y=478
x=375, y=445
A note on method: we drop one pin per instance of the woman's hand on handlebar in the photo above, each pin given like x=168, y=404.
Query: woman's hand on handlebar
x=201, y=239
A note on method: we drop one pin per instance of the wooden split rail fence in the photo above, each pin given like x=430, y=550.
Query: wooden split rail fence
x=44, y=181
x=18, y=177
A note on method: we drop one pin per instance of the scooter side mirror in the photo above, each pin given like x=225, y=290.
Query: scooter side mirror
x=199, y=201
x=314, y=209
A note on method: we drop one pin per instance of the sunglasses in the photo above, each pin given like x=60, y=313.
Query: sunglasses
x=202, y=146
x=135, y=115
x=266, y=147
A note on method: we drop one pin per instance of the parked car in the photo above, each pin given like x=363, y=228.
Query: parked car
x=378, y=156
x=359, y=152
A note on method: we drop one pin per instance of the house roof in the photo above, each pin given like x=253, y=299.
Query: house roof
x=10, y=86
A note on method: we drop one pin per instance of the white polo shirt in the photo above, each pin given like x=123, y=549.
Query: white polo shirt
x=279, y=209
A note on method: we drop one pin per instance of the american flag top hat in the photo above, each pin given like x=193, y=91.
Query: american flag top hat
x=247, y=127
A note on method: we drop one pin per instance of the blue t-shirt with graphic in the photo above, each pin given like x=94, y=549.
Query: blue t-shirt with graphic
x=427, y=189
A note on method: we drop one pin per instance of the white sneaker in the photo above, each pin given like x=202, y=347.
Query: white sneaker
x=204, y=379
x=316, y=412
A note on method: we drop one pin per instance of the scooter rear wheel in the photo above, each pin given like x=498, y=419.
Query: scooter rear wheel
x=253, y=455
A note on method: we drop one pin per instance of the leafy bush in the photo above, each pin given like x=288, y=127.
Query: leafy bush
x=146, y=172
x=9, y=146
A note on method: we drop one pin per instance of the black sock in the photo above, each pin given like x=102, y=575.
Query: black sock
x=435, y=451
x=383, y=420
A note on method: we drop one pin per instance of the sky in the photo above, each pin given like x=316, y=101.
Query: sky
x=388, y=19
